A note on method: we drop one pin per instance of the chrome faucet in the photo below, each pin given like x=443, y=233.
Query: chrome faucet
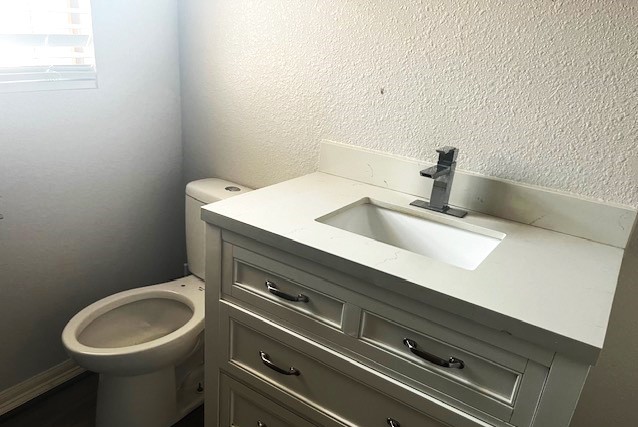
x=443, y=175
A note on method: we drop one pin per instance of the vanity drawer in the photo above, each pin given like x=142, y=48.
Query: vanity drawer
x=326, y=380
x=433, y=357
x=426, y=353
x=240, y=406
x=247, y=275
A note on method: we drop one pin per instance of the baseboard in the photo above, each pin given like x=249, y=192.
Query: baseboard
x=39, y=384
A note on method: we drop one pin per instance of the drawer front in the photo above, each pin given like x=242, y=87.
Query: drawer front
x=326, y=380
x=496, y=382
x=241, y=406
x=424, y=354
x=275, y=282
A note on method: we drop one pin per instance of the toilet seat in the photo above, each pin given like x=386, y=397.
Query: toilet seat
x=176, y=341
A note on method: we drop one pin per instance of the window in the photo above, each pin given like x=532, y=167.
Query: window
x=46, y=44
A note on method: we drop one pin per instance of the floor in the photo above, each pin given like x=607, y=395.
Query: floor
x=72, y=405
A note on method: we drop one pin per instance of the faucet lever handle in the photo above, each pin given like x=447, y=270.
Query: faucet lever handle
x=447, y=154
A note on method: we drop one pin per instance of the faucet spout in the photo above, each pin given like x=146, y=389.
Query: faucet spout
x=436, y=171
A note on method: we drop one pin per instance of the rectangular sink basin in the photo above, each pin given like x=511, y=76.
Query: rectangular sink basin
x=447, y=240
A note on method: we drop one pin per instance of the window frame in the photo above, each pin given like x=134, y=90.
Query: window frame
x=29, y=78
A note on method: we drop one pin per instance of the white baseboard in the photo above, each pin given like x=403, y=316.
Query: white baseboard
x=33, y=387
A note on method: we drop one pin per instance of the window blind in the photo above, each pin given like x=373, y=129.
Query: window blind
x=46, y=44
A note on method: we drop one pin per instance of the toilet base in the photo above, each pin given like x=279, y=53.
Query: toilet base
x=147, y=400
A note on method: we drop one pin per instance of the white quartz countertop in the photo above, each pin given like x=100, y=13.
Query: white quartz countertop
x=550, y=288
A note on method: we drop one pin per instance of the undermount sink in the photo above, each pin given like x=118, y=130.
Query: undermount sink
x=451, y=241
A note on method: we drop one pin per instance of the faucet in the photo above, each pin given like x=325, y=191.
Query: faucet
x=443, y=175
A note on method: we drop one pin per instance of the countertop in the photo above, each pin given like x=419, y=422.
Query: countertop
x=543, y=286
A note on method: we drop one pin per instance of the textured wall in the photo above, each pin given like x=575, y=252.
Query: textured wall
x=543, y=92
x=90, y=185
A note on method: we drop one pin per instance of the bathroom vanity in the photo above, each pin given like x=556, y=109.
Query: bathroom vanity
x=314, y=320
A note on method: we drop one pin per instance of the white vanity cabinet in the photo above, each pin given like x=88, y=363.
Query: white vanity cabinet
x=309, y=322
x=291, y=342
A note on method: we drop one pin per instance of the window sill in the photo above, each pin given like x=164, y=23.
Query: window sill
x=42, y=85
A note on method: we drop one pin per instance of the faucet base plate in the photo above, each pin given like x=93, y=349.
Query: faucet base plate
x=445, y=209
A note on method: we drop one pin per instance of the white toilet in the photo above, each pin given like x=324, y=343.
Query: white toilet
x=147, y=343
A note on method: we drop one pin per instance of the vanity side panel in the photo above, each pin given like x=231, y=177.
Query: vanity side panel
x=562, y=390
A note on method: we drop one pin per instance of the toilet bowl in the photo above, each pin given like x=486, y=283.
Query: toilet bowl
x=147, y=343
x=134, y=339
x=138, y=331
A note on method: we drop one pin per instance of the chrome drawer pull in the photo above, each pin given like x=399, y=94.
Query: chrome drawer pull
x=260, y=424
x=266, y=359
x=393, y=423
x=272, y=288
x=453, y=362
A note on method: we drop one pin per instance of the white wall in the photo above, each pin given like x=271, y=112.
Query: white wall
x=90, y=185
x=542, y=92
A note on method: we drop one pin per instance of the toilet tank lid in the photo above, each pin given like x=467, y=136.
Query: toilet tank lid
x=210, y=190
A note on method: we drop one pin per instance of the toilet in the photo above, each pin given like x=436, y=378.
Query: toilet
x=147, y=343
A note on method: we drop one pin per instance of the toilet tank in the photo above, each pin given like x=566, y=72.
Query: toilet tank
x=198, y=194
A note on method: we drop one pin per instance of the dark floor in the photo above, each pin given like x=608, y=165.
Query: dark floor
x=72, y=405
